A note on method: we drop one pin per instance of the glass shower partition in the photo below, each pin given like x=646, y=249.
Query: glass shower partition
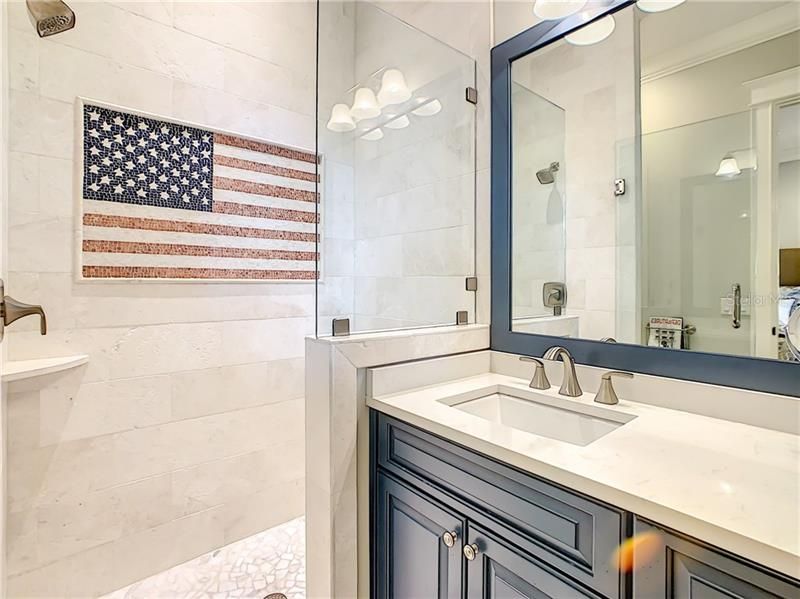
x=396, y=145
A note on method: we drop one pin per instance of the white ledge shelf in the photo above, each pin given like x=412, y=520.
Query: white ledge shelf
x=18, y=370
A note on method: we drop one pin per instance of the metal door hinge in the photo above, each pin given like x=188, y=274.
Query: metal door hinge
x=341, y=327
x=472, y=283
x=619, y=187
x=472, y=95
x=462, y=317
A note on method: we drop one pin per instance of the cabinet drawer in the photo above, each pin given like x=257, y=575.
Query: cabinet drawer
x=681, y=568
x=575, y=534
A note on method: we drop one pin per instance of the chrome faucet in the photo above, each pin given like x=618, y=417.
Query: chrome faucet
x=569, y=383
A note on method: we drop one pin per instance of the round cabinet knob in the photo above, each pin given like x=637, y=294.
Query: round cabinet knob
x=450, y=538
x=470, y=551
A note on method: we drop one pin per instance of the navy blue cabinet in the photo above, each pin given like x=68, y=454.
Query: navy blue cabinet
x=687, y=569
x=498, y=570
x=450, y=523
x=421, y=548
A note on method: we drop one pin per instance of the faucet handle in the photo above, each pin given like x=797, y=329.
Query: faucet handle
x=539, y=380
x=606, y=394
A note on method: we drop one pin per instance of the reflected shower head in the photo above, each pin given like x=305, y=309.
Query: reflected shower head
x=50, y=16
x=547, y=175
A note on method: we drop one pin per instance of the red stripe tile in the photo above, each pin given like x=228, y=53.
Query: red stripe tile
x=264, y=189
x=267, y=148
x=154, y=224
x=159, y=272
x=253, y=211
x=176, y=249
x=260, y=167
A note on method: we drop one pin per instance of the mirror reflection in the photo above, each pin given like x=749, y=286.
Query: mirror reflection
x=656, y=180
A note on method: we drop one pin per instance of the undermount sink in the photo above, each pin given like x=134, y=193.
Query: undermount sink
x=541, y=414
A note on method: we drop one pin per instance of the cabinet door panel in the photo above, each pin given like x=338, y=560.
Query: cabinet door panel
x=685, y=569
x=411, y=558
x=500, y=571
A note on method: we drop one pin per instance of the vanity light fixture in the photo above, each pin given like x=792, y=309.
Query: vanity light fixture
x=428, y=107
x=400, y=122
x=728, y=167
x=549, y=10
x=592, y=33
x=340, y=120
x=733, y=163
x=393, y=88
x=658, y=5
x=373, y=135
x=365, y=105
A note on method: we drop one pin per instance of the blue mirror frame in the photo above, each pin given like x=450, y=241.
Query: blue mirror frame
x=758, y=374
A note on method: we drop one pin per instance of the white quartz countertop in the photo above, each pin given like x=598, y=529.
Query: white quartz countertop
x=732, y=485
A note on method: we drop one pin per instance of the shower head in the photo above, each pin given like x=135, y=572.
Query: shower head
x=50, y=16
x=547, y=175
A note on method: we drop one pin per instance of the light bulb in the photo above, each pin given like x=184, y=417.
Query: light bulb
x=728, y=167
x=393, y=88
x=365, y=106
x=429, y=108
x=592, y=33
x=373, y=135
x=340, y=120
x=658, y=5
x=557, y=9
x=400, y=122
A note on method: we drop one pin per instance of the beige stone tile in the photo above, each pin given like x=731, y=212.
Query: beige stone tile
x=202, y=392
x=70, y=412
x=85, y=574
x=227, y=481
x=74, y=524
x=248, y=515
x=138, y=555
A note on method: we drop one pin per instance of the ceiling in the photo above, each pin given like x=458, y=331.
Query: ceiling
x=700, y=30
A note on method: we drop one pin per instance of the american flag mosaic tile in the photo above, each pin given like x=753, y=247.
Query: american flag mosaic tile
x=167, y=201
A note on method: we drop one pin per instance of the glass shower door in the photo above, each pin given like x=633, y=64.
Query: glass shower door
x=397, y=174
x=697, y=236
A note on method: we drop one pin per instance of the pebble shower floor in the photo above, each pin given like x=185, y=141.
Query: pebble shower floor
x=272, y=561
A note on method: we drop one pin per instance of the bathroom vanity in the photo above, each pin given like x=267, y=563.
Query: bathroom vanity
x=483, y=487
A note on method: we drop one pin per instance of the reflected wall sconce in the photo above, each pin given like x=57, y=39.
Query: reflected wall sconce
x=428, y=107
x=340, y=120
x=593, y=33
x=733, y=163
x=400, y=122
x=393, y=88
x=373, y=135
x=549, y=10
x=658, y=5
x=365, y=105
x=728, y=167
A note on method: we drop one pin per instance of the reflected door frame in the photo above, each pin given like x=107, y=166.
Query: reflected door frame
x=767, y=94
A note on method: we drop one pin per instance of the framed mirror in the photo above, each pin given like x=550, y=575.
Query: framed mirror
x=646, y=189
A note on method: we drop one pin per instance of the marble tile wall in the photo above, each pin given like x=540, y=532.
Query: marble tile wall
x=409, y=237
x=415, y=189
x=185, y=430
x=596, y=88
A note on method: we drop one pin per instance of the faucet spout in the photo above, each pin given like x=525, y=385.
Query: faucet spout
x=570, y=386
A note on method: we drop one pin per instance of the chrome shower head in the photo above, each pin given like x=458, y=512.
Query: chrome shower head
x=50, y=16
x=547, y=175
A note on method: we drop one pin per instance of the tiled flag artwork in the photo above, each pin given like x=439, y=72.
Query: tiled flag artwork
x=162, y=200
